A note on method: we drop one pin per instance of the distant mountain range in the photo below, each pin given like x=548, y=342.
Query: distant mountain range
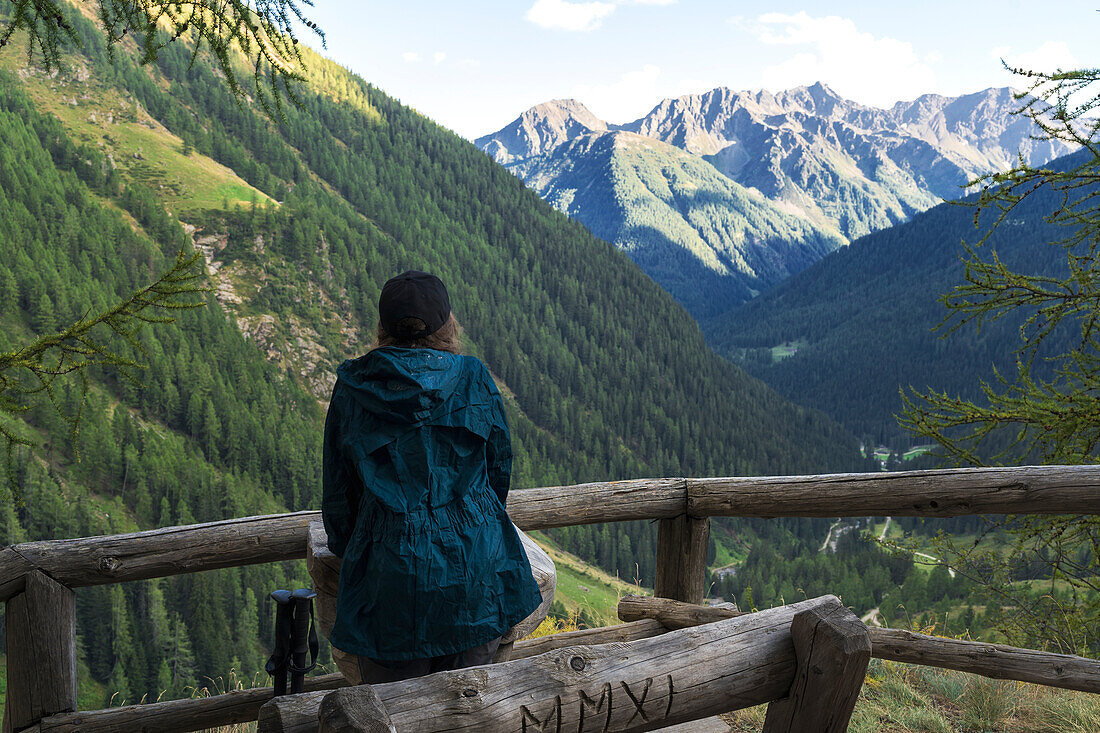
x=720, y=195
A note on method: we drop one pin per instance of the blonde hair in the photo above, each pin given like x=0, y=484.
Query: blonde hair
x=445, y=338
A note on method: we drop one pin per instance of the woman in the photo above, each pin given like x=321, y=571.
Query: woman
x=417, y=462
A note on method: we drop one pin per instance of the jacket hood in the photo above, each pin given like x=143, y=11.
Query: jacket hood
x=402, y=385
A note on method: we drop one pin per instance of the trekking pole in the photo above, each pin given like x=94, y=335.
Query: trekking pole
x=284, y=628
x=304, y=638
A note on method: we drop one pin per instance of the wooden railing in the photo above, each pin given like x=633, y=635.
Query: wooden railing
x=37, y=578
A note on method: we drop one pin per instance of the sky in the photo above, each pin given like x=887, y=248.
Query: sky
x=475, y=66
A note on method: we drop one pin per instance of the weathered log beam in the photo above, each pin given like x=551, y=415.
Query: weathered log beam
x=671, y=613
x=608, y=501
x=939, y=493
x=41, y=652
x=169, y=551
x=682, y=558
x=178, y=716
x=244, y=705
x=832, y=647
x=249, y=540
x=989, y=660
x=633, y=686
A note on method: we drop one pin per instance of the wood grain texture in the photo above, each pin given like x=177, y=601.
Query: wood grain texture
x=13, y=570
x=324, y=569
x=608, y=501
x=989, y=660
x=940, y=493
x=360, y=712
x=41, y=650
x=671, y=613
x=833, y=648
x=682, y=558
x=179, y=716
x=296, y=712
x=631, y=686
x=546, y=576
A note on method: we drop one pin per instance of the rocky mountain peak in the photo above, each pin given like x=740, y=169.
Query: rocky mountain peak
x=540, y=129
x=817, y=99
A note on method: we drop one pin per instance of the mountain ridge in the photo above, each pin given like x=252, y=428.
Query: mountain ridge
x=842, y=167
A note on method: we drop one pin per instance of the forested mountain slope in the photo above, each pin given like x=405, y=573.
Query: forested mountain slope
x=708, y=241
x=860, y=322
x=109, y=168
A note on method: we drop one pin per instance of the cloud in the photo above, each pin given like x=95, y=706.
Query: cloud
x=411, y=57
x=438, y=57
x=877, y=71
x=579, y=16
x=1050, y=56
x=627, y=99
x=569, y=16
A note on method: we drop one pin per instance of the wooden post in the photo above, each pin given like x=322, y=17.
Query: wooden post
x=41, y=631
x=360, y=712
x=833, y=648
x=682, y=558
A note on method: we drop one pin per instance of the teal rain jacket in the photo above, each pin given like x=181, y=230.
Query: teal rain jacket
x=417, y=461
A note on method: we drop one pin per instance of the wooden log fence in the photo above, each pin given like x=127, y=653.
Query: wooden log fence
x=234, y=542
x=678, y=677
x=178, y=716
x=941, y=493
x=997, y=661
x=682, y=505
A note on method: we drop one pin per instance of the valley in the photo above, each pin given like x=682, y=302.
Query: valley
x=736, y=283
x=109, y=169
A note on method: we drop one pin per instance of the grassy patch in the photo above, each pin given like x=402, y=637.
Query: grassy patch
x=582, y=586
x=101, y=116
x=786, y=349
x=913, y=699
x=728, y=548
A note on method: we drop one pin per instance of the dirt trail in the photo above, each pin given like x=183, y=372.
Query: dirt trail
x=872, y=617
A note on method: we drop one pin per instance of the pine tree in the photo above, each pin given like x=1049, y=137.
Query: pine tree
x=180, y=658
x=263, y=35
x=1028, y=417
x=125, y=678
x=9, y=292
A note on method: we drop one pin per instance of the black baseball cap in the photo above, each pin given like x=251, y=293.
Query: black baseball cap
x=413, y=294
